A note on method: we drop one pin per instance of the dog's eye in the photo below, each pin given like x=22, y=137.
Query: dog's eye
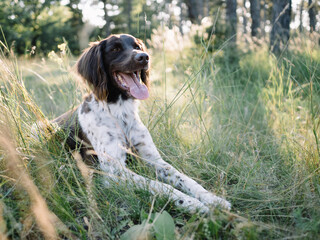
x=138, y=47
x=116, y=49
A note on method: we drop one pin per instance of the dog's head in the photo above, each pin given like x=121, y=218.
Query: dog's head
x=117, y=65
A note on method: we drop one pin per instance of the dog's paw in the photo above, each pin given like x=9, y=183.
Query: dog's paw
x=192, y=205
x=210, y=199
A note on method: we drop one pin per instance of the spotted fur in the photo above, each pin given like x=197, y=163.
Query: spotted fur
x=108, y=122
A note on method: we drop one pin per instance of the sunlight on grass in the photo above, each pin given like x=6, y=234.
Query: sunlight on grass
x=245, y=126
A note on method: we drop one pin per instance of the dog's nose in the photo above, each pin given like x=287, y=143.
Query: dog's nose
x=142, y=58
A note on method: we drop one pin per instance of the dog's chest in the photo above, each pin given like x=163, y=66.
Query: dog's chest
x=102, y=122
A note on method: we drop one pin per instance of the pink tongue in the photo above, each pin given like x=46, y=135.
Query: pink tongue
x=137, y=89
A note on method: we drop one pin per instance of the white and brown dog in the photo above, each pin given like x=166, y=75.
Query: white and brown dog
x=107, y=122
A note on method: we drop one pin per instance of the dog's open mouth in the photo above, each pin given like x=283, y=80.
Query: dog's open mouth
x=131, y=82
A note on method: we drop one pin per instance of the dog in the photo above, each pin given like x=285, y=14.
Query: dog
x=107, y=122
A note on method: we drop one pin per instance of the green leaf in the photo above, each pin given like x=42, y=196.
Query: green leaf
x=164, y=227
x=143, y=215
x=137, y=232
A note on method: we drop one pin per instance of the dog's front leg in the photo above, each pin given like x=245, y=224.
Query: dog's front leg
x=113, y=163
x=120, y=174
x=141, y=140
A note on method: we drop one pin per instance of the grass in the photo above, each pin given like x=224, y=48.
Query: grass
x=243, y=124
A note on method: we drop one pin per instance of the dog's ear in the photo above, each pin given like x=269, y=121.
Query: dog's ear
x=91, y=68
x=145, y=73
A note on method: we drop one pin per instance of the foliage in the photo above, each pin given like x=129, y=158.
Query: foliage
x=38, y=26
x=159, y=225
x=246, y=129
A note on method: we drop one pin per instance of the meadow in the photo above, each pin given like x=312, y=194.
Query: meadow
x=243, y=123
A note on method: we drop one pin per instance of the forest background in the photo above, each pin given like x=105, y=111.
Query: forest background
x=234, y=104
x=39, y=26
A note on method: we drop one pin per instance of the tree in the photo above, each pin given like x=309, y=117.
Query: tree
x=280, y=32
x=128, y=10
x=39, y=25
x=312, y=15
x=106, y=27
x=245, y=10
x=255, y=16
x=300, y=16
x=181, y=16
x=264, y=19
x=76, y=24
x=195, y=10
x=232, y=20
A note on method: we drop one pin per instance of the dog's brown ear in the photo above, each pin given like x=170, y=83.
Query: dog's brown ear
x=91, y=68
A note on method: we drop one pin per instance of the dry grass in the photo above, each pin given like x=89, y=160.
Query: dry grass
x=246, y=126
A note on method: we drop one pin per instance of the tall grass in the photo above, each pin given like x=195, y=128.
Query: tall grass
x=243, y=124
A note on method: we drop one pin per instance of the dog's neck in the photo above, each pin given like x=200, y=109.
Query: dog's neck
x=114, y=94
x=121, y=108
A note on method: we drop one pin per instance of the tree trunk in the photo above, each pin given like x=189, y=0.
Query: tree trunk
x=181, y=16
x=206, y=9
x=106, y=18
x=200, y=10
x=264, y=22
x=300, y=16
x=312, y=15
x=195, y=10
x=255, y=16
x=232, y=20
x=280, y=32
x=129, y=10
x=192, y=11
x=244, y=17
